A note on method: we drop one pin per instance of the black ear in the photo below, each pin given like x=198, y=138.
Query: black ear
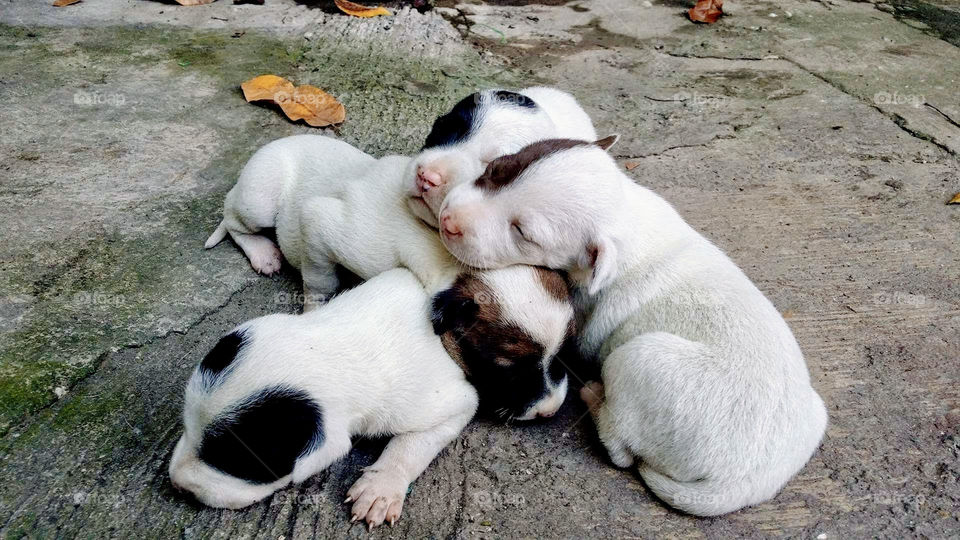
x=449, y=308
x=607, y=141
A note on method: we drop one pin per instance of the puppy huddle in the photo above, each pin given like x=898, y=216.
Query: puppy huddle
x=703, y=382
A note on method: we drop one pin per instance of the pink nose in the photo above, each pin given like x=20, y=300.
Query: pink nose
x=427, y=179
x=450, y=227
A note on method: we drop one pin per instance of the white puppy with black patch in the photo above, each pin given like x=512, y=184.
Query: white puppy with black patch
x=278, y=399
x=704, y=381
x=483, y=126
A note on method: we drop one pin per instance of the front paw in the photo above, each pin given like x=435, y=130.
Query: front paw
x=377, y=497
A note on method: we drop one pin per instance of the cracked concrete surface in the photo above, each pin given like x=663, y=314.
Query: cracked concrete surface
x=815, y=141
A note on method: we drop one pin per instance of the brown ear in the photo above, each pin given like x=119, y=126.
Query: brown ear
x=607, y=141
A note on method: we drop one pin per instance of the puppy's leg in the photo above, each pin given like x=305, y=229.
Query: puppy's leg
x=321, y=231
x=264, y=255
x=593, y=394
x=379, y=494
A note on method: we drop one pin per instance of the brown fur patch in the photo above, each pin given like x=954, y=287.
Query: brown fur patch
x=505, y=169
x=554, y=283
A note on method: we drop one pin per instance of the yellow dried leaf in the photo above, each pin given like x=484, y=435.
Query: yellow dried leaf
x=305, y=102
x=61, y=3
x=266, y=87
x=357, y=10
x=955, y=199
x=193, y=2
x=313, y=105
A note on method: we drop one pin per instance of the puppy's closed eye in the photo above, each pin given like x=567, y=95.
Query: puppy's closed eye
x=518, y=229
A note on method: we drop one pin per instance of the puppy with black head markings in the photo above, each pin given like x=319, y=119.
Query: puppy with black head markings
x=484, y=126
x=279, y=398
x=703, y=381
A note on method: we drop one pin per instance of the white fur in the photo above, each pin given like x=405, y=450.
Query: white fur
x=499, y=129
x=370, y=359
x=331, y=204
x=705, y=382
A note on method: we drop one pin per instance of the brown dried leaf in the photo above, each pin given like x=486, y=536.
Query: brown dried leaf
x=306, y=102
x=266, y=87
x=955, y=199
x=193, y=2
x=706, y=11
x=61, y=3
x=358, y=10
x=631, y=165
x=313, y=105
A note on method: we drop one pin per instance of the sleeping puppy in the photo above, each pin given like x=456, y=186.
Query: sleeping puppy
x=331, y=204
x=278, y=399
x=484, y=126
x=704, y=381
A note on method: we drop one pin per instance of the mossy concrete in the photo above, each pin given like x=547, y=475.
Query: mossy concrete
x=123, y=126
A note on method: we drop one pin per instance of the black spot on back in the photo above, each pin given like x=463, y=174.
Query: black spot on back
x=261, y=438
x=221, y=356
x=513, y=98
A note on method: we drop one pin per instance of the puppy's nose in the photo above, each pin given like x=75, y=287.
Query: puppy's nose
x=546, y=414
x=450, y=226
x=427, y=179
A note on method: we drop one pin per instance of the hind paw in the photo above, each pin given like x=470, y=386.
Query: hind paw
x=267, y=262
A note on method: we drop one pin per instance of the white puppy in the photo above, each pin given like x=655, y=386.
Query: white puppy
x=483, y=126
x=705, y=383
x=279, y=398
x=331, y=204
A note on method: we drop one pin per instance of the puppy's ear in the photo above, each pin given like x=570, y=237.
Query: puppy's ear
x=449, y=308
x=607, y=141
x=600, y=257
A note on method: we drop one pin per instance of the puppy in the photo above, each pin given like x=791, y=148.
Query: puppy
x=331, y=204
x=279, y=398
x=704, y=381
x=481, y=127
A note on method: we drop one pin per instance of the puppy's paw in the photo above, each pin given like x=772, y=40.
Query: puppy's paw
x=267, y=260
x=592, y=394
x=377, y=497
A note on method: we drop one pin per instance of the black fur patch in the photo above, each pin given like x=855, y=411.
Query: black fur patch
x=261, y=438
x=221, y=356
x=457, y=124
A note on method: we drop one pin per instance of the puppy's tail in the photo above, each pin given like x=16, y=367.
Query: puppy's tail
x=217, y=236
x=700, y=497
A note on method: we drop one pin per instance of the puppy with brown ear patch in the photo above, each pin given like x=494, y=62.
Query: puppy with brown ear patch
x=705, y=387
x=278, y=399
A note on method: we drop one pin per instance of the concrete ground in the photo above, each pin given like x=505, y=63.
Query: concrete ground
x=816, y=141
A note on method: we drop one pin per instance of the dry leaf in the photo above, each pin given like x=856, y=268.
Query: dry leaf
x=193, y=2
x=61, y=3
x=305, y=102
x=358, y=10
x=706, y=11
x=955, y=199
x=631, y=165
x=312, y=104
x=266, y=87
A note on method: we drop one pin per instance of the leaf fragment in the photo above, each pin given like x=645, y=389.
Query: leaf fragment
x=706, y=11
x=359, y=10
x=631, y=165
x=61, y=3
x=955, y=199
x=305, y=102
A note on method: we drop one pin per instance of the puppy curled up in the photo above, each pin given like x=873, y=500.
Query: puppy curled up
x=704, y=385
x=279, y=398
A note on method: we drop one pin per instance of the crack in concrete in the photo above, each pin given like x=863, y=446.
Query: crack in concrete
x=665, y=150
x=943, y=114
x=711, y=57
x=102, y=357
